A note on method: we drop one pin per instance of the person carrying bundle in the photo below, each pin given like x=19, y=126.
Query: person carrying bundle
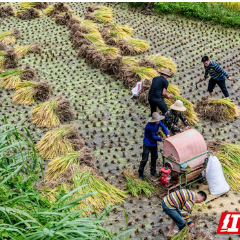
x=150, y=144
x=217, y=75
x=177, y=205
x=172, y=117
x=158, y=90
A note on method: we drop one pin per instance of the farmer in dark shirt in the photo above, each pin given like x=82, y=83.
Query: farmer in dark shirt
x=150, y=143
x=172, y=116
x=217, y=75
x=158, y=90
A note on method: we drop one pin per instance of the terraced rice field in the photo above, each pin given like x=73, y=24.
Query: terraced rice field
x=107, y=118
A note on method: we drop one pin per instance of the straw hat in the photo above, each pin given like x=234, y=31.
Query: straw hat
x=167, y=72
x=155, y=117
x=178, y=106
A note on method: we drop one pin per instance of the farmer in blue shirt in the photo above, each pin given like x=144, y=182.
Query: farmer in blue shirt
x=217, y=75
x=150, y=143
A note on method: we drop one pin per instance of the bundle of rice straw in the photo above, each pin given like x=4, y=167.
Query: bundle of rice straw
x=38, y=5
x=229, y=156
x=57, y=8
x=10, y=37
x=27, y=92
x=24, y=50
x=52, y=113
x=28, y=14
x=136, y=186
x=100, y=14
x=59, y=165
x=217, y=109
x=163, y=62
x=8, y=59
x=59, y=141
x=10, y=79
x=190, y=114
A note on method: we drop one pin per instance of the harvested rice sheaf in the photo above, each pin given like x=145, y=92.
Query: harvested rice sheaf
x=6, y=11
x=144, y=72
x=38, y=5
x=27, y=92
x=229, y=156
x=216, y=109
x=99, y=14
x=190, y=114
x=60, y=141
x=28, y=14
x=57, y=9
x=136, y=186
x=24, y=50
x=105, y=192
x=9, y=80
x=53, y=112
x=8, y=59
x=10, y=37
x=57, y=166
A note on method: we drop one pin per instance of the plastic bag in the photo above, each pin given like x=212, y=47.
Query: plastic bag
x=137, y=89
x=215, y=178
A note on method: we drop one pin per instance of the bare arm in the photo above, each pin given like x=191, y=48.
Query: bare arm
x=164, y=93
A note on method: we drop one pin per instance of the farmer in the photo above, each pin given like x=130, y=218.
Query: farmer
x=158, y=90
x=177, y=205
x=150, y=143
x=217, y=75
x=172, y=116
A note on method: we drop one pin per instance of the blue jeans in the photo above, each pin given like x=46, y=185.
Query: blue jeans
x=175, y=215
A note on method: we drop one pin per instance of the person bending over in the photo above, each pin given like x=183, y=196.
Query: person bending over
x=217, y=75
x=177, y=205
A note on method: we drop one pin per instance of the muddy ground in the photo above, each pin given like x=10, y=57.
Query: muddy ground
x=109, y=120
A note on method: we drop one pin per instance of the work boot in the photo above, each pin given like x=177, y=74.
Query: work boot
x=140, y=175
x=155, y=174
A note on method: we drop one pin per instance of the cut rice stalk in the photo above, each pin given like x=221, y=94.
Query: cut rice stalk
x=229, y=156
x=139, y=46
x=27, y=92
x=52, y=112
x=173, y=90
x=25, y=5
x=111, y=51
x=59, y=141
x=23, y=50
x=163, y=62
x=144, y=72
x=9, y=80
x=131, y=61
x=103, y=14
x=136, y=186
x=9, y=37
x=119, y=32
x=217, y=109
x=105, y=192
x=43, y=115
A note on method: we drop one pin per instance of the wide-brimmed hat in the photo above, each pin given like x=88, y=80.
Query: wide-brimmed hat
x=178, y=106
x=156, y=117
x=167, y=72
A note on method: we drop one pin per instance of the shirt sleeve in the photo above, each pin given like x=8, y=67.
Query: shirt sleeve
x=206, y=73
x=219, y=69
x=184, y=119
x=164, y=128
x=169, y=123
x=184, y=212
x=156, y=137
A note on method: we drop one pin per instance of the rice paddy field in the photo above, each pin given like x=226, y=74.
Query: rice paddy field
x=109, y=120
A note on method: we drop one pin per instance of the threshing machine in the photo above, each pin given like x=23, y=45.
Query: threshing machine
x=184, y=158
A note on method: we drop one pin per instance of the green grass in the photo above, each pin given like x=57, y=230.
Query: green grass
x=216, y=13
x=25, y=214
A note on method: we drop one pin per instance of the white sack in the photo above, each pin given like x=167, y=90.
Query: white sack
x=215, y=178
x=137, y=89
